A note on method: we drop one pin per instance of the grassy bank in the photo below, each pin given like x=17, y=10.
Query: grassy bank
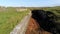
x=9, y=19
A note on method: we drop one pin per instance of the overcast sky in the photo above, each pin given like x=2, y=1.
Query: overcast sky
x=30, y=3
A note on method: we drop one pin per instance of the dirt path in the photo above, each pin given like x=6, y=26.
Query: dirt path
x=33, y=28
x=21, y=27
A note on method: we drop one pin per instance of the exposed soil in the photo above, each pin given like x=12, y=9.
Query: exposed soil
x=33, y=28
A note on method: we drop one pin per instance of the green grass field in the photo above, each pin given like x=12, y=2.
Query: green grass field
x=9, y=19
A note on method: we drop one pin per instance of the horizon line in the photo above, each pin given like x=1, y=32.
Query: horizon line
x=29, y=6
